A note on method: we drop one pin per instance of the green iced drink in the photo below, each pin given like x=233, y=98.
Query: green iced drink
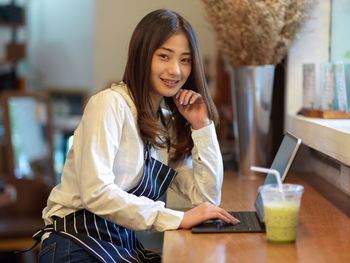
x=281, y=221
x=281, y=211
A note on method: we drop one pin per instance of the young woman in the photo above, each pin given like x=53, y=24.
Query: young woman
x=152, y=131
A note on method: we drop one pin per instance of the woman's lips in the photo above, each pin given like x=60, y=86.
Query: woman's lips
x=170, y=83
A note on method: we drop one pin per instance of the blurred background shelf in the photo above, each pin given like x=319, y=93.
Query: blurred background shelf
x=325, y=114
x=329, y=136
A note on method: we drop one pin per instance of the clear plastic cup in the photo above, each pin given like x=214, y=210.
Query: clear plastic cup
x=281, y=211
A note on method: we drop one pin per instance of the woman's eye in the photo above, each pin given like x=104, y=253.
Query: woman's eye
x=163, y=56
x=186, y=60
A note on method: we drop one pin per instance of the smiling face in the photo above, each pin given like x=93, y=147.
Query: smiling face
x=170, y=68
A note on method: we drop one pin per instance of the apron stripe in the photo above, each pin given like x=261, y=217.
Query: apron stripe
x=148, y=177
x=102, y=249
x=79, y=221
x=134, y=191
x=154, y=163
x=160, y=188
x=98, y=231
x=132, y=256
x=132, y=240
x=86, y=229
x=144, y=187
x=120, y=238
x=155, y=188
x=146, y=253
x=132, y=236
x=141, y=253
x=90, y=219
x=116, y=249
x=128, y=241
x=101, y=225
x=109, y=234
x=145, y=171
x=105, y=251
x=64, y=225
x=78, y=241
x=75, y=223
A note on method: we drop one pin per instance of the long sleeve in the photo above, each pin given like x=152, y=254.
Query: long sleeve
x=200, y=177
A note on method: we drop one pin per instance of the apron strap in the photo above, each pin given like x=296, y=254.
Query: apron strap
x=37, y=237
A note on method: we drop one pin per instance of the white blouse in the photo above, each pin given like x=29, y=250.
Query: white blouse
x=106, y=160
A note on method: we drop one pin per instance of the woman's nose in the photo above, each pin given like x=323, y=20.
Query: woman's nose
x=174, y=68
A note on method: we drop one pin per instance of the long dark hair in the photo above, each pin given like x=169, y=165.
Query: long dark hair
x=150, y=33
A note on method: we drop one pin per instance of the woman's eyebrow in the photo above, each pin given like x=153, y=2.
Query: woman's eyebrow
x=172, y=51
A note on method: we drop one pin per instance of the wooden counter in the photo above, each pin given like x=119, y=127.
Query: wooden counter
x=323, y=233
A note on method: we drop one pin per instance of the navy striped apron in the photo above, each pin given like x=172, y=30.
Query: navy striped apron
x=107, y=241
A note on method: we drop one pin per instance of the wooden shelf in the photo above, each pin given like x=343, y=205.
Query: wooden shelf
x=329, y=136
x=325, y=114
x=7, y=24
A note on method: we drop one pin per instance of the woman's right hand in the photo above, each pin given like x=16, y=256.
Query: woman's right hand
x=204, y=212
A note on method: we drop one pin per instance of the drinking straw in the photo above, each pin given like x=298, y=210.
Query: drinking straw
x=272, y=171
x=267, y=171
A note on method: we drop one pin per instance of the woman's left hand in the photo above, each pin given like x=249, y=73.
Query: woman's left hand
x=191, y=105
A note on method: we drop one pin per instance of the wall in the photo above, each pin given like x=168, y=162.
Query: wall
x=311, y=46
x=340, y=22
x=60, y=38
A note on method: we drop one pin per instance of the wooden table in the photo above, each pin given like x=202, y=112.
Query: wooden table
x=323, y=233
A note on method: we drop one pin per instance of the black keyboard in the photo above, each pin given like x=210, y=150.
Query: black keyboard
x=249, y=222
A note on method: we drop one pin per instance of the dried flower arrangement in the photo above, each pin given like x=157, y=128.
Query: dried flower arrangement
x=256, y=32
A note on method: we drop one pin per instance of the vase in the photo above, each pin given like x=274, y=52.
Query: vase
x=252, y=88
